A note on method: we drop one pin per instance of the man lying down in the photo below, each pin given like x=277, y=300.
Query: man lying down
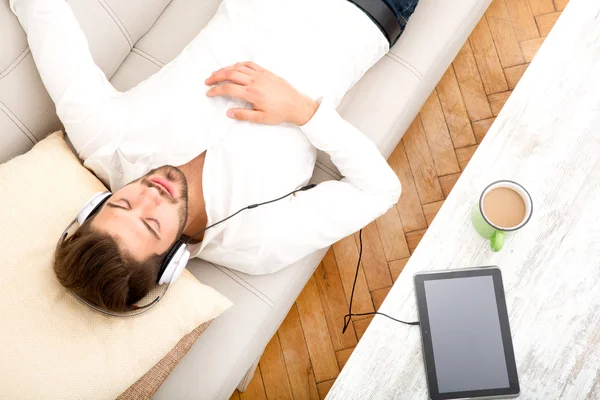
x=235, y=119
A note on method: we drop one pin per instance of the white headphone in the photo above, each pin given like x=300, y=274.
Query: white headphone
x=171, y=267
x=174, y=262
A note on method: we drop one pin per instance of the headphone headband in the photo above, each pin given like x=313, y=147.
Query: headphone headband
x=171, y=267
x=92, y=206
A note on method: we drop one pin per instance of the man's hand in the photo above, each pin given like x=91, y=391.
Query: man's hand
x=274, y=100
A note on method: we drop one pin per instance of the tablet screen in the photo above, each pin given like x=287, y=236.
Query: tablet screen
x=467, y=343
x=465, y=334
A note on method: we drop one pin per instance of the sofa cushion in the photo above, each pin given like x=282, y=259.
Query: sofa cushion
x=181, y=21
x=58, y=347
x=441, y=27
x=221, y=352
x=14, y=43
x=14, y=141
x=134, y=17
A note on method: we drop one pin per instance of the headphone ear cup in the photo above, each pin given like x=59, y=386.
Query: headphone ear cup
x=174, y=263
x=185, y=257
x=93, y=205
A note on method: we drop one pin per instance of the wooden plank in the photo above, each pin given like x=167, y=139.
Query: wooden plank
x=361, y=326
x=421, y=163
x=447, y=182
x=502, y=31
x=343, y=356
x=235, y=395
x=431, y=210
x=274, y=373
x=297, y=359
x=346, y=257
x=392, y=235
x=514, y=74
x=560, y=4
x=334, y=302
x=539, y=7
x=530, y=48
x=546, y=22
x=256, y=389
x=316, y=332
x=373, y=259
x=464, y=155
x=396, y=267
x=522, y=19
x=487, y=59
x=438, y=136
x=413, y=239
x=324, y=388
x=471, y=86
x=498, y=100
x=454, y=110
x=409, y=205
x=378, y=296
x=480, y=128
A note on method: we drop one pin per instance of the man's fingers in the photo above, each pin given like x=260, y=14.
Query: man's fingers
x=240, y=73
x=250, y=65
x=229, y=74
x=243, y=114
x=229, y=89
x=250, y=72
x=212, y=79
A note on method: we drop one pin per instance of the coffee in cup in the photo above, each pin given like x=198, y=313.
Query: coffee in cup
x=504, y=206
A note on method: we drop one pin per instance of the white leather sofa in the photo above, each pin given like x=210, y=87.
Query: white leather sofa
x=131, y=40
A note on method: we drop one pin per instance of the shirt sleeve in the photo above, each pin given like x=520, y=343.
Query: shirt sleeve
x=77, y=86
x=317, y=218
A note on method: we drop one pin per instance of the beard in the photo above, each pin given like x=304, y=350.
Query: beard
x=177, y=178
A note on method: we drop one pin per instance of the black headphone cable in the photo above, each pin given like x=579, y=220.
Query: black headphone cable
x=302, y=189
x=347, y=317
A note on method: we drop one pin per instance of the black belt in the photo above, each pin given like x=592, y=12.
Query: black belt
x=383, y=17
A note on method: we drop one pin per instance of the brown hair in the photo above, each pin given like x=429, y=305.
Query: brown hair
x=91, y=264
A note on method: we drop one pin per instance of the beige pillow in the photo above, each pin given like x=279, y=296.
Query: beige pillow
x=52, y=346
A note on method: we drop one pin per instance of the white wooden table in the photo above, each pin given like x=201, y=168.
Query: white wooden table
x=547, y=137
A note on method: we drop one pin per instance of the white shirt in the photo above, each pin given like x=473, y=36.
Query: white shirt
x=322, y=47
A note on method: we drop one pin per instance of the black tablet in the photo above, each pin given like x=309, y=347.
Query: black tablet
x=466, y=337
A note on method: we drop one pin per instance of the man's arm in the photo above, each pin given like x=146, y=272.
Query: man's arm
x=319, y=217
x=62, y=56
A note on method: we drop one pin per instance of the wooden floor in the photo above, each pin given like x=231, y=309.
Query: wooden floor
x=307, y=353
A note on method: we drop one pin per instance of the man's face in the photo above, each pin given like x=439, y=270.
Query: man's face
x=147, y=215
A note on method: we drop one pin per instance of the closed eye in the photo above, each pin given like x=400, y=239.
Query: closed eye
x=152, y=231
x=126, y=201
x=128, y=207
x=155, y=221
